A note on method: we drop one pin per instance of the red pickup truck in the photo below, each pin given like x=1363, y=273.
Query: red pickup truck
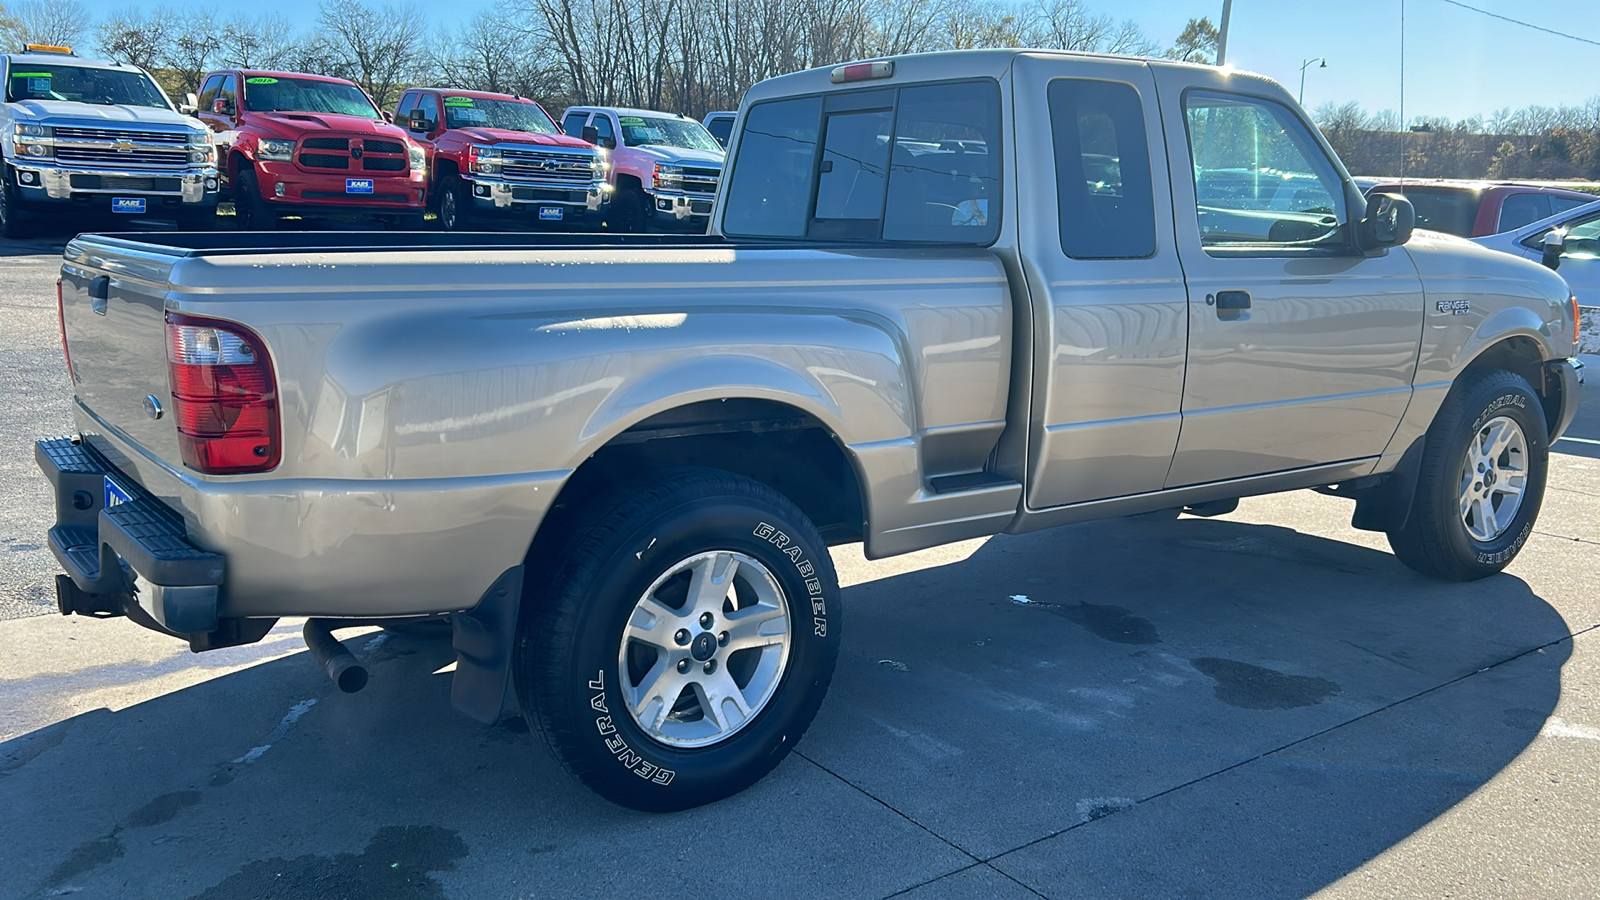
x=500, y=157
x=311, y=146
x=1475, y=208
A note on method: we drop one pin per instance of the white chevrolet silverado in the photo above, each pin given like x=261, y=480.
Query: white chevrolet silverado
x=946, y=296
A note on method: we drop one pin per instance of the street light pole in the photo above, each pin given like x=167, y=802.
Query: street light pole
x=1314, y=59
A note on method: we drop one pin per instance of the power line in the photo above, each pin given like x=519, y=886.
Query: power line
x=1494, y=15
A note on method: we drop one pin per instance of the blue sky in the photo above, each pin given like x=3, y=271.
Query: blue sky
x=1458, y=63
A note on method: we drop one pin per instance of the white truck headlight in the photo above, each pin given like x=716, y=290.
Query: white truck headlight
x=201, y=150
x=30, y=129
x=419, y=159
x=668, y=176
x=275, y=151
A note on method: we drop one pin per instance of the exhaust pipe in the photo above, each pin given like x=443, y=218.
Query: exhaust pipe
x=334, y=657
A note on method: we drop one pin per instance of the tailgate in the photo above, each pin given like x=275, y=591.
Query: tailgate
x=113, y=314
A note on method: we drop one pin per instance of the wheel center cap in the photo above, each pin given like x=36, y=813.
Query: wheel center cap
x=703, y=647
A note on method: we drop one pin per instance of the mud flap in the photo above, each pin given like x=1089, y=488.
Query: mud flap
x=1387, y=505
x=483, y=638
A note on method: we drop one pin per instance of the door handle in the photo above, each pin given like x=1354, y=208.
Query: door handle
x=1235, y=300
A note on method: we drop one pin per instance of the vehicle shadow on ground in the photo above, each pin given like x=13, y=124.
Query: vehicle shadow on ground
x=1136, y=707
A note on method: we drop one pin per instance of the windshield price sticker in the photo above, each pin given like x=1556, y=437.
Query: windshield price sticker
x=458, y=101
x=261, y=80
x=631, y=120
x=31, y=75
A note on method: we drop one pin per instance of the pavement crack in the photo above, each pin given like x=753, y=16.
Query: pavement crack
x=1563, y=537
x=1388, y=659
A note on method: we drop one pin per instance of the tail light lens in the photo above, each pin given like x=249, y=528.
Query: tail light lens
x=61, y=318
x=224, y=397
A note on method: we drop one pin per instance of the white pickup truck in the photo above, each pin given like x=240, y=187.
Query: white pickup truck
x=665, y=167
x=947, y=296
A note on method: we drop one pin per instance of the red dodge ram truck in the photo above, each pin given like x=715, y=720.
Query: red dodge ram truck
x=1474, y=208
x=499, y=157
x=310, y=146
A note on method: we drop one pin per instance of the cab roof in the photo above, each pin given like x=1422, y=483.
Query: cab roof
x=631, y=111
x=66, y=59
x=484, y=95
x=268, y=73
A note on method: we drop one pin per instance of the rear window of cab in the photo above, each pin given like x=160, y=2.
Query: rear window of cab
x=910, y=164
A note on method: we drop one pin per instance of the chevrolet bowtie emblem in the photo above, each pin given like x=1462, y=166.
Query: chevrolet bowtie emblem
x=123, y=146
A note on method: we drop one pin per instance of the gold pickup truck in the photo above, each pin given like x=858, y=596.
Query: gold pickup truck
x=945, y=296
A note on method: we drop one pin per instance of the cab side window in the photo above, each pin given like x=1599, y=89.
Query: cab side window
x=430, y=109
x=230, y=90
x=602, y=124
x=573, y=124
x=1260, y=177
x=403, y=112
x=1582, y=242
x=1103, y=182
x=1518, y=210
x=208, y=93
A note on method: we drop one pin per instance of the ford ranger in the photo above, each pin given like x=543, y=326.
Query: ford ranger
x=313, y=147
x=947, y=296
x=496, y=156
x=86, y=139
x=665, y=167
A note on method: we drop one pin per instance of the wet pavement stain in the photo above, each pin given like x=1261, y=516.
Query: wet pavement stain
x=1113, y=623
x=86, y=857
x=162, y=809
x=394, y=866
x=1255, y=687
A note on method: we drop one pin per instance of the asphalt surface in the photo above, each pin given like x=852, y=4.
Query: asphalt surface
x=1264, y=704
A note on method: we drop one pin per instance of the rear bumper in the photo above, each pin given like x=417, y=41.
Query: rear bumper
x=133, y=552
x=1568, y=373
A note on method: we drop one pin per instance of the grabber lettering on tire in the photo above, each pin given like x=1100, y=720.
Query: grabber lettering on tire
x=684, y=642
x=1481, y=481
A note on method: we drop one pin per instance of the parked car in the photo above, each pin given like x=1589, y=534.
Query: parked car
x=311, y=146
x=1474, y=209
x=501, y=158
x=665, y=167
x=91, y=139
x=1578, y=247
x=720, y=124
x=617, y=464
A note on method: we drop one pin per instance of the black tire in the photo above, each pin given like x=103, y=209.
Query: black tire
x=569, y=668
x=14, y=224
x=628, y=212
x=1435, y=540
x=455, y=205
x=249, y=208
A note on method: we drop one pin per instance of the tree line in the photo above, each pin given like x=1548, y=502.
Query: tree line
x=1537, y=142
x=689, y=56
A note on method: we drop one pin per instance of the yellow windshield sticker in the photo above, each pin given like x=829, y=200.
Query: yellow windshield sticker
x=31, y=75
x=261, y=81
x=458, y=101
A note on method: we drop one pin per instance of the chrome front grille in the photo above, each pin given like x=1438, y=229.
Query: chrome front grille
x=700, y=181
x=69, y=134
x=141, y=158
x=544, y=167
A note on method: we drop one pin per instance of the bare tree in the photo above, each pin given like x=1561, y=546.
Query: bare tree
x=138, y=38
x=1197, y=42
x=258, y=42
x=63, y=24
x=195, y=45
x=382, y=47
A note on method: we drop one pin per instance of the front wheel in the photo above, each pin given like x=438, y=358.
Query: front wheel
x=684, y=642
x=13, y=223
x=628, y=213
x=455, y=204
x=249, y=208
x=1481, y=481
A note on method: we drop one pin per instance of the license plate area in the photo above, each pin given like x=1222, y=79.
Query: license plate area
x=128, y=205
x=551, y=213
x=358, y=185
x=115, y=495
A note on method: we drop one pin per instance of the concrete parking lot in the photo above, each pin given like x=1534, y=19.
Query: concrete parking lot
x=1264, y=704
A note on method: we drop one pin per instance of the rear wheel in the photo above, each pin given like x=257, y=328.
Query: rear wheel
x=249, y=207
x=685, y=641
x=1481, y=481
x=455, y=204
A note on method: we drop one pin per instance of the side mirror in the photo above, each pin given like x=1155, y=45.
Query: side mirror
x=419, y=122
x=590, y=134
x=1555, y=244
x=609, y=143
x=190, y=104
x=222, y=106
x=387, y=116
x=1389, y=221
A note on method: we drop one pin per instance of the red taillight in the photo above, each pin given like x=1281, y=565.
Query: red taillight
x=61, y=317
x=223, y=396
x=867, y=71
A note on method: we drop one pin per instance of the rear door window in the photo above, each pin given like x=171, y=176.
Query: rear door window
x=721, y=128
x=573, y=124
x=1103, y=181
x=914, y=164
x=602, y=124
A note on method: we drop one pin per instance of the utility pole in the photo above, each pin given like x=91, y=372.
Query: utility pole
x=1222, y=33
